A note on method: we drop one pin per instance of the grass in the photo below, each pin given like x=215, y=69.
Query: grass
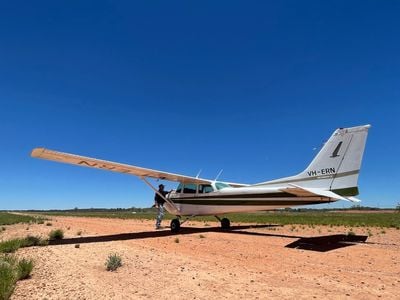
x=10, y=246
x=7, y=280
x=31, y=240
x=310, y=218
x=9, y=219
x=24, y=268
x=57, y=234
x=113, y=262
x=12, y=270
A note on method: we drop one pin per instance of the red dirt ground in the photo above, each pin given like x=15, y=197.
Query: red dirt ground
x=203, y=262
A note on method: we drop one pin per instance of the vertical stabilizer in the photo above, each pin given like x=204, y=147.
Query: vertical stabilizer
x=337, y=165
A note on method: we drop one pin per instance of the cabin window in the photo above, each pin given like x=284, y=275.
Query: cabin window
x=190, y=188
x=179, y=188
x=205, y=188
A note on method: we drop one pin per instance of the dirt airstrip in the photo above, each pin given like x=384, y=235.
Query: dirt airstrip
x=203, y=262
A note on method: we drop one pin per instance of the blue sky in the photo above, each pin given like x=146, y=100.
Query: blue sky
x=251, y=87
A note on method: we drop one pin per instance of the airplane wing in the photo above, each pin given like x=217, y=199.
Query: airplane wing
x=304, y=192
x=116, y=167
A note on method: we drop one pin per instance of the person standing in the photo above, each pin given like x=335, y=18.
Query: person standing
x=159, y=203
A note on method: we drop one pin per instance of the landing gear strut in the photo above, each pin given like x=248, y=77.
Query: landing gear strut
x=225, y=223
x=175, y=225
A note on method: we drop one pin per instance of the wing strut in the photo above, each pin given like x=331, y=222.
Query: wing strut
x=158, y=193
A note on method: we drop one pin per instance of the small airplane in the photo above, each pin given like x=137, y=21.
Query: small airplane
x=331, y=176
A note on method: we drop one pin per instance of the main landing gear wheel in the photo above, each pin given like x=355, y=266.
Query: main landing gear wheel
x=225, y=223
x=175, y=225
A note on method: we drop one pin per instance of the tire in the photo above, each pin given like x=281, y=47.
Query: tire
x=225, y=223
x=175, y=225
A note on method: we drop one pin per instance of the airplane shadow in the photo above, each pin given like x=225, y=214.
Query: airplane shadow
x=328, y=242
x=319, y=243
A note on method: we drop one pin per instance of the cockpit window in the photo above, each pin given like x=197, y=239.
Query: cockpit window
x=190, y=188
x=220, y=185
x=179, y=188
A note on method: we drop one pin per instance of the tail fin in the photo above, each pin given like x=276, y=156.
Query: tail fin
x=336, y=166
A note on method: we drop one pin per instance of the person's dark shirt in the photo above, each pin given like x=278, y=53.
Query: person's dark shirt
x=159, y=199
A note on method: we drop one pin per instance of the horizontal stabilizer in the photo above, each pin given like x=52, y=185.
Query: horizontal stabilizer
x=304, y=192
x=353, y=199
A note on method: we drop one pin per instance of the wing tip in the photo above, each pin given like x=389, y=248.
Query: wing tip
x=36, y=152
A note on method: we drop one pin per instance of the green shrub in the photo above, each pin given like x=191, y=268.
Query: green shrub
x=114, y=261
x=49, y=224
x=7, y=276
x=202, y=236
x=12, y=270
x=176, y=240
x=57, y=234
x=7, y=280
x=13, y=245
x=24, y=268
x=10, y=246
x=30, y=241
x=351, y=233
x=9, y=259
x=43, y=242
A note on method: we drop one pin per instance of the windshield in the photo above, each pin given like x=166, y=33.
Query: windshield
x=220, y=185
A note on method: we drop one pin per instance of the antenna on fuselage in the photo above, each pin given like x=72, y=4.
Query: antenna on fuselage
x=219, y=174
x=198, y=174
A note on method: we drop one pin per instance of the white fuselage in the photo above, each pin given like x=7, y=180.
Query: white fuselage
x=231, y=200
